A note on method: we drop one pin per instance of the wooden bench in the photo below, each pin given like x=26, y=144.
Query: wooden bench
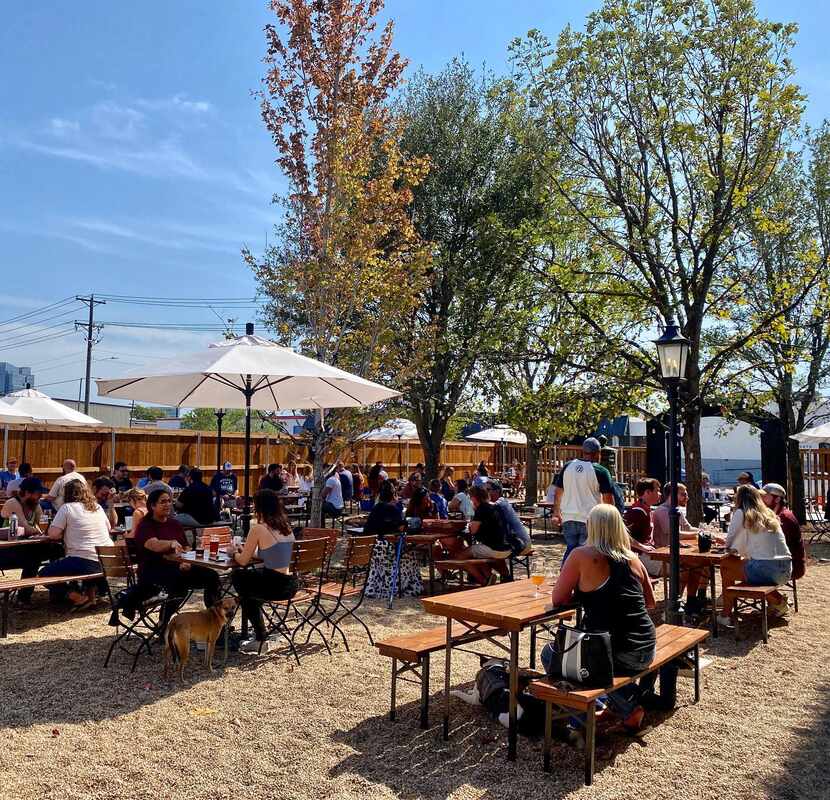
x=672, y=641
x=7, y=587
x=414, y=651
x=743, y=597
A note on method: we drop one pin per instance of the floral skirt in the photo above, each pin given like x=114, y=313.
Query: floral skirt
x=380, y=572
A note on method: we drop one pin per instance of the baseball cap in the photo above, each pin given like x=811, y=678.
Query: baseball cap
x=591, y=445
x=775, y=489
x=227, y=465
x=33, y=485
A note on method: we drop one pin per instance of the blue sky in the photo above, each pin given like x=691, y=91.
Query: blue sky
x=133, y=160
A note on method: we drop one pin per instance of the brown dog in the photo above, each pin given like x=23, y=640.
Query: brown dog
x=201, y=626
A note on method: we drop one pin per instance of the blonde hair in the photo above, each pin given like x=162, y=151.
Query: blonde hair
x=757, y=517
x=607, y=533
x=136, y=496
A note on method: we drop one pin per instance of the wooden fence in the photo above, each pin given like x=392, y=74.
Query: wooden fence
x=96, y=449
x=816, y=465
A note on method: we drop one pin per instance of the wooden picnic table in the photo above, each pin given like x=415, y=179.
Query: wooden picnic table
x=692, y=558
x=510, y=608
x=8, y=543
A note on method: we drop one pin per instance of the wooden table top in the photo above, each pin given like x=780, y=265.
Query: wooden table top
x=220, y=564
x=508, y=606
x=688, y=555
x=28, y=540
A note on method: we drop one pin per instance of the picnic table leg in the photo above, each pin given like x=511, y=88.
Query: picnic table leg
x=425, y=692
x=447, y=664
x=548, y=735
x=512, y=731
x=4, y=623
x=533, y=647
x=431, y=563
x=590, y=742
x=714, y=591
x=764, y=625
x=697, y=672
x=394, y=686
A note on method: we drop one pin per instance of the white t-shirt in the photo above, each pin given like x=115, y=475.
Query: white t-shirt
x=56, y=492
x=465, y=505
x=305, y=484
x=83, y=530
x=335, y=495
x=581, y=490
x=13, y=486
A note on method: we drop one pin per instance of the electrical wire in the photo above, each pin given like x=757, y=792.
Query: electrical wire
x=50, y=338
x=50, y=308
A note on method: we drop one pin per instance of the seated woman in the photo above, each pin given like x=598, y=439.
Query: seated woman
x=82, y=525
x=137, y=498
x=447, y=483
x=272, y=540
x=488, y=530
x=158, y=536
x=461, y=503
x=611, y=584
x=760, y=553
x=385, y=518
x=421, y=505
x=305, y=479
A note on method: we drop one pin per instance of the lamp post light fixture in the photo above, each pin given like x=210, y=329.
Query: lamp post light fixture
x=672, y=352
x=400, y=456
x=220, y=415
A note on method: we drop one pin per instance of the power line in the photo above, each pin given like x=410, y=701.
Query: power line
x=40, y=340
x=37, y=311
x=175, y=326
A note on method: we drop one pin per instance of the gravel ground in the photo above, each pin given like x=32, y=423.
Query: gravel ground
x=264, y=728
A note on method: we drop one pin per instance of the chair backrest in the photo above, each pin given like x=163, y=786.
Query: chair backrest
x=309, y=556
x=115, y=561
x=359, y=551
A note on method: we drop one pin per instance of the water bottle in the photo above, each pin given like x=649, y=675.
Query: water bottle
x=13, y=526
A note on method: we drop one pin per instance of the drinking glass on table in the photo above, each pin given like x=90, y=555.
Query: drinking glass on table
x=537, y=578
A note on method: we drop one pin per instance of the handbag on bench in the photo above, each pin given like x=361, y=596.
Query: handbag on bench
x=582, y=657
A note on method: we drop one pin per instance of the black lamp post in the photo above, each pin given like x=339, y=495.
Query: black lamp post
x=400, y=455
x=220, y=415
x=672, y=351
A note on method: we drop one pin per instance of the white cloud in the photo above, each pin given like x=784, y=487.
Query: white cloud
x=62, y=127
x=178, y=102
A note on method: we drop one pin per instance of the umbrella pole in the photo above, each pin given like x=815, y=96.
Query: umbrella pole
x=246, y=513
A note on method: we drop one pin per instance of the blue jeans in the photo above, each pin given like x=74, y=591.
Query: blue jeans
x=72, y=565
x=768, y=571
x=576, y=534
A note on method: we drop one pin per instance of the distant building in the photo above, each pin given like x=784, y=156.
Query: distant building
x=13, y=378
x=116, y=416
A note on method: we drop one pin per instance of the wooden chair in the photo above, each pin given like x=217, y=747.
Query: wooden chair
x=352, y=587
x=331, y=535
x=222, y=531
x=148, y=622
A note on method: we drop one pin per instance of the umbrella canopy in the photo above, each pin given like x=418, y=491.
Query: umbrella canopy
x=11, y=414
x=499, y=433
x=394, y=430
x=251, y=373
x=276, y=378
x=42, y=408
x=817, y=435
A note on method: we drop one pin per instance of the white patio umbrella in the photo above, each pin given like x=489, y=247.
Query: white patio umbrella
x=817, y=435
x=400, y=430
x=11, y=414
x=251, y=373
x=499, y=433
x=42, y=408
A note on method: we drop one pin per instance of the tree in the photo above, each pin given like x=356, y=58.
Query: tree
x=779, y=376
x=471, y=209
x=666, y=121
x=204, y=419
x=347, y=263
x=148, y=412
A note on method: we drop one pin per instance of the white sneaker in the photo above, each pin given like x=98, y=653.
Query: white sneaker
x=251, y=646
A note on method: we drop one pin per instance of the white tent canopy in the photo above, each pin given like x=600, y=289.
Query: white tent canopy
x=817, y=435
x=499, y=433
x=394, y=430
x=42, y=408
x=276, y=377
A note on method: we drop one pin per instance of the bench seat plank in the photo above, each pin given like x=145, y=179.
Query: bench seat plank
x=412, y=646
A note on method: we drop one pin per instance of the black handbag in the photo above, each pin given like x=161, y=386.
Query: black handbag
x=582, y=657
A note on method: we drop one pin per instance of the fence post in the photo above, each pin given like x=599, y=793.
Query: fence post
x=199, y=449
x=5, y=444
x=112, y=448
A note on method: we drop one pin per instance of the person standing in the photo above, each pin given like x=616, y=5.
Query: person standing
x=582, y=484
x=56, y=492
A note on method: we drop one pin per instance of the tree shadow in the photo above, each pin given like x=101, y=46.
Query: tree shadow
x=804, y=776
x=415, y=763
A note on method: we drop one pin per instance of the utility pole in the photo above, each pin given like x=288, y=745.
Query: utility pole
x=90, y=326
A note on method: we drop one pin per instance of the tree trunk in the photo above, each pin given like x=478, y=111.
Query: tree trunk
x=690, y=417
x=318, y=458
x=431, y=432
x=795, y=472
x=532, y=473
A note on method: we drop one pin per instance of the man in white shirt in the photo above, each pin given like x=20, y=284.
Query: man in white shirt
x=55, y=496
x=582, y=484
x=333, y=494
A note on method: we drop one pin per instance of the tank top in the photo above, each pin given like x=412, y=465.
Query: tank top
x=277, y=556
x=619, y=607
